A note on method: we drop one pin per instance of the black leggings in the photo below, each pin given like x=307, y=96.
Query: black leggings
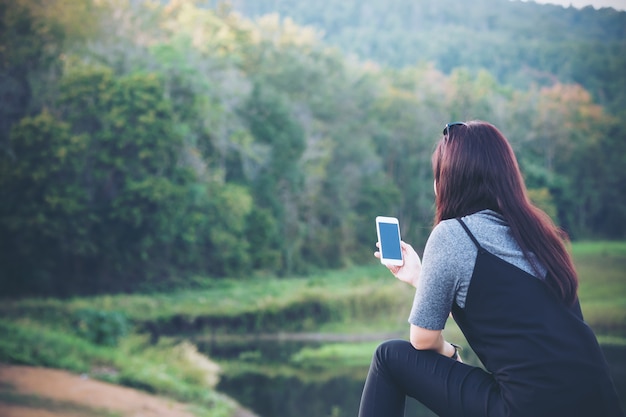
x=446, y=386
x=453, y=389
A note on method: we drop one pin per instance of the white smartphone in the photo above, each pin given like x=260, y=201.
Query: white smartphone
x=388, y=229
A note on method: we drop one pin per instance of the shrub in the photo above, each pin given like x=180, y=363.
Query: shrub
x=101, y=327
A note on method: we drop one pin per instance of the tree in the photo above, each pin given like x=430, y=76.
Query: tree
x=561, y=150
x=33, y=36
x=278, y=184
x=44, y=220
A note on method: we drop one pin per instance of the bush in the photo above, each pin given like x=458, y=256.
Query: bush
x=101, y=327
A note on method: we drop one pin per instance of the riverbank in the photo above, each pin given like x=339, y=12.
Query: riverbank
x=142, y=341
x=27, y=391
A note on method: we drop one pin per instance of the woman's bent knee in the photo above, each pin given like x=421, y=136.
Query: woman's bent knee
x=391, y=350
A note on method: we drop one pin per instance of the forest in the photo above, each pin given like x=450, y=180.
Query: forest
x=153, y=145
x=519, y=43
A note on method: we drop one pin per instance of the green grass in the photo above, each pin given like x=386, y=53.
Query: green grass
x=354, y=301
x=601, y=268
x=357, y=299
x=310, y=364
x=345, y=301
x=336, y=354
x=220, y=296
x=169, y=369
x=584, y=249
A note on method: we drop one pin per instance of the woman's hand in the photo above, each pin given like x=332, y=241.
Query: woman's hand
x=409, y=272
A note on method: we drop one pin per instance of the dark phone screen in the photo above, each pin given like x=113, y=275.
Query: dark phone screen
x=390, y=241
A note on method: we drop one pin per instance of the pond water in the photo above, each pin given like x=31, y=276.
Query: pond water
x=297, y=392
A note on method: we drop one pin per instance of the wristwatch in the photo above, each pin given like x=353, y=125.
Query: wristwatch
x=456, y=351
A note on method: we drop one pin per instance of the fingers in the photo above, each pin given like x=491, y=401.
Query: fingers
x=406, y=248
x=377, y=253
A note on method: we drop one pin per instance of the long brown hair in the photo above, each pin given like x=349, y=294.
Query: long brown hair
x=475, y=168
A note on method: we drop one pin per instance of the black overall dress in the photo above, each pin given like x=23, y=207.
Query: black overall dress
x=544, y=358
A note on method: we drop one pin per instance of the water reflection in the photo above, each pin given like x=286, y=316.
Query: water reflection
x=291, y=396
x=309, y=393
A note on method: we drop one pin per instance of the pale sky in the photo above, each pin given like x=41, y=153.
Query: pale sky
x=616, y=4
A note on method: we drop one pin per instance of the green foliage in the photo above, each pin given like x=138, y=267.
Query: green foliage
x=103, y=190
x=194, y=142
x=277, y=186
x=101, y=327
x=33, y=37
x=263, y=236
x=350, y=302
x=541, y=198
x=228, y=251
x=337, y=354
x=518, y=42
x=600, y=266
x=172, y=370
x=28, y=343
x=358, y=301
x=44, y=204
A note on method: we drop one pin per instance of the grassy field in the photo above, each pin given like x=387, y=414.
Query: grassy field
x=602, y=272
x=356, y=301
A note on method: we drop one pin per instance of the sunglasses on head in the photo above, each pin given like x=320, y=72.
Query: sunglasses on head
x=446, y=130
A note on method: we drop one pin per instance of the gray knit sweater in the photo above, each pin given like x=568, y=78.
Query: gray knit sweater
x=448, y=263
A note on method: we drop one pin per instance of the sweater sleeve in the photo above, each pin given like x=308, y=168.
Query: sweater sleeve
x=447, y=266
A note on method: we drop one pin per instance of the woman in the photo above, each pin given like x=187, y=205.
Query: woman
x=501, y=267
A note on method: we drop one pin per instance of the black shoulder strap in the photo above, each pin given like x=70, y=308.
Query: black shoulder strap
x=470, y=234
